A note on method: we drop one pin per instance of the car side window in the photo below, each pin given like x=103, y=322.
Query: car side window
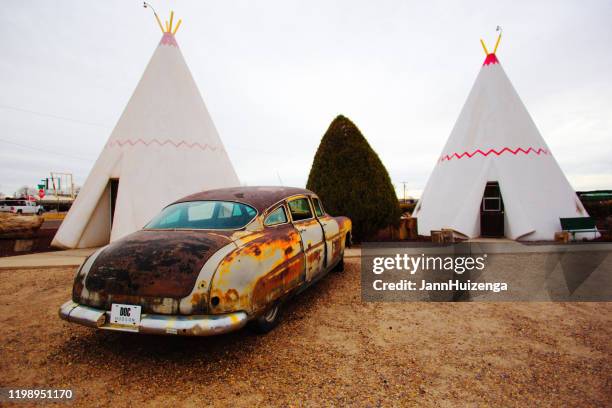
x=278, y=216
x=300, y=209
x=317, y=207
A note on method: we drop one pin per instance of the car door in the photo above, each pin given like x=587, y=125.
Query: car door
x=279, y=229
x=331, y=230
x=311, y=233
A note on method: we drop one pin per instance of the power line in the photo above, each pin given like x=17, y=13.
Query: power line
x=48, y=115
x=44, y=151
x=64, y=118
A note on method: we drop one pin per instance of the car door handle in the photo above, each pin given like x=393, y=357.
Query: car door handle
x=302, y=229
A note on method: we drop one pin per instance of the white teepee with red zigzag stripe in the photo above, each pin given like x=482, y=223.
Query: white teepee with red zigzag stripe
x=164, y=146
x=496, y=148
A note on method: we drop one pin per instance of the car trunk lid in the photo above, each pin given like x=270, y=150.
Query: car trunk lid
x=154, y=268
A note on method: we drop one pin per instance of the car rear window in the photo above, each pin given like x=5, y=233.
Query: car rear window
x=212, y=215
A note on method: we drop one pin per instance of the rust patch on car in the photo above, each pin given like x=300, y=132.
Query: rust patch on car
x=314, y=256
x=294, y=273
x=277, y=283
x=196, y=298
x=336, y=247
x=344, y=224
x=269, y=287
x=231, y=296
x=153, y=263
x=270, y=259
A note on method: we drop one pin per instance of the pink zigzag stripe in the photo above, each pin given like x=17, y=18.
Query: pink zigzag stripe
x=496, y=152
x=130, y=142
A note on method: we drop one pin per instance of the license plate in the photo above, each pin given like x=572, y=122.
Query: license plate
x=125, y=315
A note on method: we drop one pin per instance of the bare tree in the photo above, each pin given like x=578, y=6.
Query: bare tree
x=25, y=191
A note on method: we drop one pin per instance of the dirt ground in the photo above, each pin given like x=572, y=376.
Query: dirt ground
x=331, y=349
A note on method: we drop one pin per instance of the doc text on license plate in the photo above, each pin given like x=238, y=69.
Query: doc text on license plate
x=126, y=315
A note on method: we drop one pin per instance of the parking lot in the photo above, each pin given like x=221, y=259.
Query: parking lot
x=331, y=348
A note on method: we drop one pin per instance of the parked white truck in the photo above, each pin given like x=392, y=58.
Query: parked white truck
x=21, y=207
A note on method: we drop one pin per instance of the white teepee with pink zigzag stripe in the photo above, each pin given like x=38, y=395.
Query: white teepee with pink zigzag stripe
x=164, y=147
x=496, y=148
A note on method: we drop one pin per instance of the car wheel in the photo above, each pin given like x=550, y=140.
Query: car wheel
x=267, y=321
x=340, y=265
x=19, y=211
x=39, y=212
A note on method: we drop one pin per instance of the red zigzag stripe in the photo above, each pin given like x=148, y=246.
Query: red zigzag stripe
x=130, y=142
x=496, y=152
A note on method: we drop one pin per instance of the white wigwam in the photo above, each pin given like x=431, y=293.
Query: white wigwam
x=164, y=146
x=495, y=140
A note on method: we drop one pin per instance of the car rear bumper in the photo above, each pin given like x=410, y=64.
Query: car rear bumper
x=203, y=325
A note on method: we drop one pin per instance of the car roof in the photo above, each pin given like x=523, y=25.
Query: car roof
x=260, y=197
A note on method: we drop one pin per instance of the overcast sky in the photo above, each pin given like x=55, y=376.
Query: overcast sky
x=275, y=73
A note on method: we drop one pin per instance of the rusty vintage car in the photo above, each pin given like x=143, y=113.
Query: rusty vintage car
x=210, y=263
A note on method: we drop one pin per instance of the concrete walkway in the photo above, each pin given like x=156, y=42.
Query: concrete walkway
x=353, y=252
x=71, y=257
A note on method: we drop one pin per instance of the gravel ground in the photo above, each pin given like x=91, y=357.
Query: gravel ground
x=331, y=349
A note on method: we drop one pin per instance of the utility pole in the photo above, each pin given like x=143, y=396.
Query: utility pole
x=404, y=183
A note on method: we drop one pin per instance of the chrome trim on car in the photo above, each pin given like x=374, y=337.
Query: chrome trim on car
x=202, y=325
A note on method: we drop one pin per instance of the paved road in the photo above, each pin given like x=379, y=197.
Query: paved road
x=51, y=224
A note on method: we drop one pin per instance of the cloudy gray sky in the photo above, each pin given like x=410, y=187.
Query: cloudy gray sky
x=275, y=73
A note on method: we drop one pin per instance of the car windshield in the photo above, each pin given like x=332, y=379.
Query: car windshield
x=213, y=215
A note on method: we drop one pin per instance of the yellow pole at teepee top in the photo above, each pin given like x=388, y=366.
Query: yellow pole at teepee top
x=484, y=47
x=168, y=25
x=497, y=43
x=177, y=26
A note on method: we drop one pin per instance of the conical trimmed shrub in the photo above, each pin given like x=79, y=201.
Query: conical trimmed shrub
x=351, y=180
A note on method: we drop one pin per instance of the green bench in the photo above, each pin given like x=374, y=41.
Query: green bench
x=578, y=225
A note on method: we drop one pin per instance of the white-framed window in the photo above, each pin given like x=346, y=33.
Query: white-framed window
x=491, y=204
x=276, y=217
